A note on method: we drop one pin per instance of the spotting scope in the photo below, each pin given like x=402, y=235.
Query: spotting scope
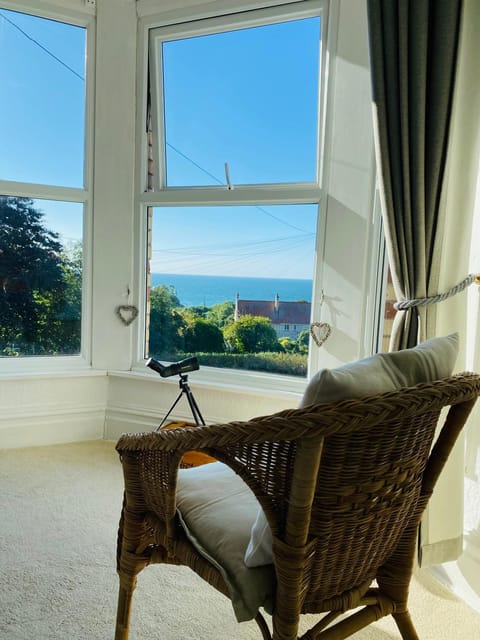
x=182, y=366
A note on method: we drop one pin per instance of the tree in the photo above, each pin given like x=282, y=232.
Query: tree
x=221, y=314
x=288, y=345
x=199, y=311
x=251, y=334
x=203, y=336
x=303, y=341
x=31, y=272
x=60, y=327
x=166, y=322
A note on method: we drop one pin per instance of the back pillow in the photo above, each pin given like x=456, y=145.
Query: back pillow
x=431, y=360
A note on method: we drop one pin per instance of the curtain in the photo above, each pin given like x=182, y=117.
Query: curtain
x=413, y=58
x=413, y=50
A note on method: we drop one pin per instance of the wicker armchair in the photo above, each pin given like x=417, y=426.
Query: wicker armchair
x=343, y=486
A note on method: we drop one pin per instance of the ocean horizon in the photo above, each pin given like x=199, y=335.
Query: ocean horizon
x=197, y=290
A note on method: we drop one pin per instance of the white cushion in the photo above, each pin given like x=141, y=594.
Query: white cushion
x=217, y=510
x=259, y=549
x=431, y=360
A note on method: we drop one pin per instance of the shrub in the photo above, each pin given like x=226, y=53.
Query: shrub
x=251, y=334
x=292, y=364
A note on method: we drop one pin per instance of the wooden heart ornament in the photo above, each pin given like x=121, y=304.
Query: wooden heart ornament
x=127, y=313
x=320, y=332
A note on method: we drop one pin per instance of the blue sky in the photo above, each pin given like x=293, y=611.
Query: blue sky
x=245, y=97
x=42, y=122
x=252, y=243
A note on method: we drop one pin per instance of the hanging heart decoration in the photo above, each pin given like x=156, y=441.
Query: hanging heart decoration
x=320, y=332
x=127, y=313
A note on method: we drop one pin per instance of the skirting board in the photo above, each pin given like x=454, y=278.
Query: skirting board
x=463, y=576
x=119, y=421
x=32, y=431
x=440, y=552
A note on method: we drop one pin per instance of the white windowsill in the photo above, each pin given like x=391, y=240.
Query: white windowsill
x=32, y=367
x=251, y=382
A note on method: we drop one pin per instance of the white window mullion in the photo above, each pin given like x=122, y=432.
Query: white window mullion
x=244, y=194
x=46, y=192
x=158, y=116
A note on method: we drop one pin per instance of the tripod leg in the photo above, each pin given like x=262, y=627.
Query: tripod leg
x=194, y=407
x=170, y=410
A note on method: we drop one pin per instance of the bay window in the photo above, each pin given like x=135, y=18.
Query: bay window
x=232, y=198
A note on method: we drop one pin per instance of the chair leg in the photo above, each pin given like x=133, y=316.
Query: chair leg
x=125, y=593
x=260, y=620
x=405, y=626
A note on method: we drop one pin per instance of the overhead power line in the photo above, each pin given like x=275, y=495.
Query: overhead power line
x=180, y=153
x=262, y=209
x=38, y=44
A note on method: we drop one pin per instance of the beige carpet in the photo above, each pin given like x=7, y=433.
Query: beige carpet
x=59, y=509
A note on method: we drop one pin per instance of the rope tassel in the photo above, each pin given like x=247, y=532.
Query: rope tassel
x=402, y=305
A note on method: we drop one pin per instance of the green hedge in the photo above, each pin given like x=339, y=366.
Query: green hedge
x=292, y=364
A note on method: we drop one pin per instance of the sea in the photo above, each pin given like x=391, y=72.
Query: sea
x=198, y=290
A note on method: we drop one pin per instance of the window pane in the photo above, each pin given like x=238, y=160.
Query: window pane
x=389, y=313
x=40, y=277
x=247, y=97
x=212, y=269
x=42, y=121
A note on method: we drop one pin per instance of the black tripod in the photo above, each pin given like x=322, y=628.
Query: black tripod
x=185, y=389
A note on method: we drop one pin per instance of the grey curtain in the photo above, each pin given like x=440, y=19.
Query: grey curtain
x=413, y=51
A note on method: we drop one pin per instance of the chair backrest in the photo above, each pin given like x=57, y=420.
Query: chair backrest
x=376, y=472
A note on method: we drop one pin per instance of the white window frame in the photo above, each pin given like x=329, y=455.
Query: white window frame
x=84, y=18
x=151, y=34
x=376, y=295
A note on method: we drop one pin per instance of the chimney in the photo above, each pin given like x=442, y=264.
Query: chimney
x=235, y=314
x=277, y=303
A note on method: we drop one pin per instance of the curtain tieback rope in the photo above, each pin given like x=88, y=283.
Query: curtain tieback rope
x=402, y=305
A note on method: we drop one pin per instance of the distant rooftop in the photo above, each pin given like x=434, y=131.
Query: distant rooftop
x=277, y=311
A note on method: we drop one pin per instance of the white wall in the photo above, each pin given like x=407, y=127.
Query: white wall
x=114, y=157
x=41, y=409
x=462, y=313
x=139, y=402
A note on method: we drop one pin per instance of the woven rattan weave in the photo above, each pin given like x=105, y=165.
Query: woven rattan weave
x=343, y=486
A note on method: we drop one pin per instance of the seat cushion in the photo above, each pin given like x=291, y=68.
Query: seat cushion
x=259, y=549
x=217, y=510
x=431, y=360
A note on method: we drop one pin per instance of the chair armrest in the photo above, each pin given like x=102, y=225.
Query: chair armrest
x=261, y=451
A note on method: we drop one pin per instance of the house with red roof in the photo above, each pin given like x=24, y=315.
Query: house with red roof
x=288, y=318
